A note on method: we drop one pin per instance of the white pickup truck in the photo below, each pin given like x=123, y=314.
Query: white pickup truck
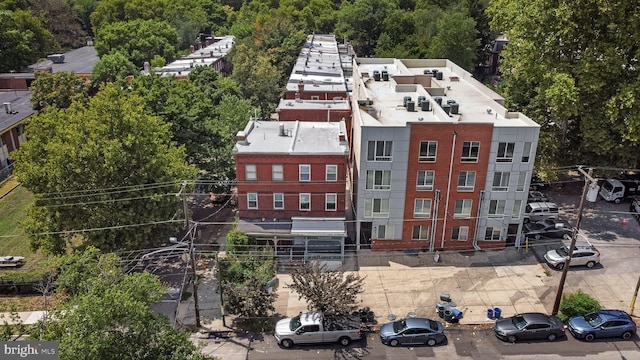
x=313, y=328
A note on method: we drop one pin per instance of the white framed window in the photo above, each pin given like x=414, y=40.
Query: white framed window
x=496, y=208
x=522, y=179
x=492, y=233
x=501, y=181
x=252, y=200
x=428, y=150
x=422, y=208
x=462, y=208
x=277, y=172
x=305, y=202
x=425, y=180
x=385, y=231
x=305, y=172
x=517, y=209
x=460, y=233
x=376, y=208
x=331, y=202
x=505, y=152
x=526, y=152
x=250, y=172
x=378, y=180
x=331, y=173
x=466, y=180
x=379, y=150
x=420, y=232
x=470, y=151
x=278, y=201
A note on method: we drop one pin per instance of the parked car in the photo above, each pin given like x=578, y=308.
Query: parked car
x=412, y=331
x=583, y=254
x=538, y=211
x=602, y=324
x=313, y=328
x=550, y=228
x=537, y=183
x=537, y=196
x=529, y=326
x=11, y=261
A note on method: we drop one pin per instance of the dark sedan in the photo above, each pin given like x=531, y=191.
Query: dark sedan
x=529, y=326
x=602, y=324
x=549, y=228
x=412, y=331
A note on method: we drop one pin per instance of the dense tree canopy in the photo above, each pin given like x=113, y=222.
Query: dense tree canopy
x=23, y=40
x=110, y=68
x=105, y=174
x=59, y=89
x=572, y=66
x=61, y=21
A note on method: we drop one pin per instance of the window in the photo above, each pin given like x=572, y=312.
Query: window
x=496, y=208
x=379, y=150
x=522, y=179
x=250, y=172
x=463, y=208
x=332, y=173
x=492, y=233
x=378, y=180
x=252, y=200
x=428, y=150
x=505, y=152
x=376, y=207
x=315, y=97
x=460, y=233
x=500, y=181
x=422, y=208
x=305, y=202
x=470, y=150
x=277, y=173
x=278, y=201
x=420, y=232
x=385, y=231
x=331, y=202
x=526, y=152
x=305, y=172
x=466, y=180
x=425, y=180
x=517, y=207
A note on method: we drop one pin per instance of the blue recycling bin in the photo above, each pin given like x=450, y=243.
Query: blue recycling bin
x=457, y=314
x=497, y=312
x=489, y=313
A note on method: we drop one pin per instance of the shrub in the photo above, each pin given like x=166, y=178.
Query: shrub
x=577, y=303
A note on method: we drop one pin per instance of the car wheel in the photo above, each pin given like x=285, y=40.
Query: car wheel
x=552, y=337
x=394, y=342
x=431, y=342
x=560, y=266
x=286, y=343
x=589, y=337
x=591, y=264
x=627, y=335
x=344, y=341
x=617, y=201
x=536, y=236
x=512, y=338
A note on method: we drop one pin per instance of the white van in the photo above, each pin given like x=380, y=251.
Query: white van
x=537, y=211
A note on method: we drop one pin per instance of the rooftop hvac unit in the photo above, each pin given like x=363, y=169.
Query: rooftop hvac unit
x=385, y=75
x=376, y=75
x=56, y=58
x=405, y=100
x=454, y=108
x=425, y=105
x=7, y=108
x=411, y=106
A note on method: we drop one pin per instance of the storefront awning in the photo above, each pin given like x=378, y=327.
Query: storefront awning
x=324, y=227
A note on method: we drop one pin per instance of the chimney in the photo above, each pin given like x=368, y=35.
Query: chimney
x=147, y=67
x=301, y=87
x=342, y=137
x=297, y=95
x=192, y=49
x=281, y=131
x=241, y=136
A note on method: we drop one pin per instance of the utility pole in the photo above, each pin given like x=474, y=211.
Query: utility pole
x=635, y=296
x=192, y=255
x=587, y=181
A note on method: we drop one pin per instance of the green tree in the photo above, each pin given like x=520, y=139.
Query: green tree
x=456, y=39
x=105, y=175
x=110, y=68
x=258, y=78
x=328, y=291
x=362, y=22
x=252, y=301
x=572, y=66
x=578, y=303
x=59, y=89
x=59, y=17
x=111, y=319
x=138, y=40
x=44, y=42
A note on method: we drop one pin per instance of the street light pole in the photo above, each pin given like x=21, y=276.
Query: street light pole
x=192, y=255
x=587, y=181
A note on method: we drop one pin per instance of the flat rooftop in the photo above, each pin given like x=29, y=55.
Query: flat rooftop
x=293, y=138
x=382, y=102
x=80, y=61
x=314, y=104
x=319, y=66
x=202, y=57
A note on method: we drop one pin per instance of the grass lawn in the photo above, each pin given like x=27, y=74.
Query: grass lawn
x=13, y=240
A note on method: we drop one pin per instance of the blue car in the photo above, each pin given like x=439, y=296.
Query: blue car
x=602, y=324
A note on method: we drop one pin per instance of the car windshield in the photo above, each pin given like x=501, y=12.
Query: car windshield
x=433, y=325
x=563, y=251
x=399, y=325
x=295, y=323
x=519, y=322
x=593, y=319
